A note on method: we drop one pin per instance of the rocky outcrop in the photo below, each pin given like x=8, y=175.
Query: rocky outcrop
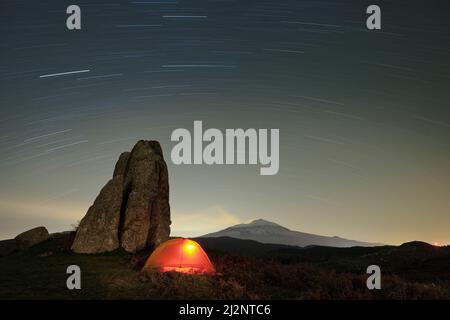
x=121, y=164
x=31, y=237
x=146, y=180
x=98, y=231
x=132, y=210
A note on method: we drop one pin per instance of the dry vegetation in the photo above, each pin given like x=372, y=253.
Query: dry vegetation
x=251, y=278
x=40, y=273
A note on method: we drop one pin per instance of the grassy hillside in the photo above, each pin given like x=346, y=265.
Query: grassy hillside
x=273, y=273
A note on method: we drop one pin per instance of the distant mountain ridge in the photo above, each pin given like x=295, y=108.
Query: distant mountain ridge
x=269, y=232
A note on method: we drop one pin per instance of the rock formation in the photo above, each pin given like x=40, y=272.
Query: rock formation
x=31, y=237
x=132, y=210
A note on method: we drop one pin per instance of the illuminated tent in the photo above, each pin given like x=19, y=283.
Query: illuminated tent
x=180, y=255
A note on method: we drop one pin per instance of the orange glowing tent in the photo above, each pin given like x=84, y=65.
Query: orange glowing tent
x=180, y=255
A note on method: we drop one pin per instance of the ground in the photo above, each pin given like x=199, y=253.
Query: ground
x=292, y=273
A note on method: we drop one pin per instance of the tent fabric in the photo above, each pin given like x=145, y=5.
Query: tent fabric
x=180, y=255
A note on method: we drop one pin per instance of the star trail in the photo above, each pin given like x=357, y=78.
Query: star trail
x=364, y=116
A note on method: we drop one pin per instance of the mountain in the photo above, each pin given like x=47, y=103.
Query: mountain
x=269, y=232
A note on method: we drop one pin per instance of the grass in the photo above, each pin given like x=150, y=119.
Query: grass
x=40, y=273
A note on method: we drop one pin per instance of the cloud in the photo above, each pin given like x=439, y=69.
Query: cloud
x=210, y=219
x=63, y=211
x=18, y=216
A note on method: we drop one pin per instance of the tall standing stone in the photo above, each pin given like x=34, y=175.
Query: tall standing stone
x=132, y=210
x=147, y=214
x=98, y=230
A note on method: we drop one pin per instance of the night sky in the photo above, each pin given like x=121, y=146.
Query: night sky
x=364, y=116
